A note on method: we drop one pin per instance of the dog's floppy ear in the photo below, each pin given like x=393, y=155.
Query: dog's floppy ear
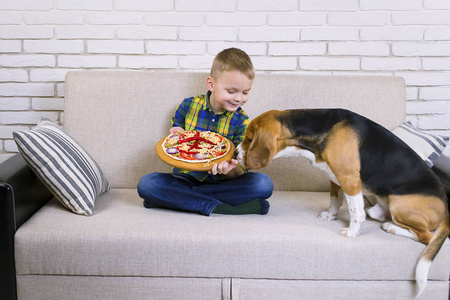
x=262, y=149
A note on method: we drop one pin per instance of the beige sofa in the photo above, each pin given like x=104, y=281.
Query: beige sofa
x=124, y=251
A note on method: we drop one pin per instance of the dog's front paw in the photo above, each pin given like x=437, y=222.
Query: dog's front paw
x=327, y=216
x=348, y=233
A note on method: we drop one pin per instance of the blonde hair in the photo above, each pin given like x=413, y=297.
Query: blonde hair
x=232, y=59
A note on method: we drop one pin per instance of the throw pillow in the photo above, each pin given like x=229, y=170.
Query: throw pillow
x=63, y=165
x=428, y=146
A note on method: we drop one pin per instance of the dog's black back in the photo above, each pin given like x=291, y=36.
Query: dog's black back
x=388, y=165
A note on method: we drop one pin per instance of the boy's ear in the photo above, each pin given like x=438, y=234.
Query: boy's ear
x=210, y=83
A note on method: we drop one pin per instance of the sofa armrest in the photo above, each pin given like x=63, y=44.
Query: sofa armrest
x=21, y=195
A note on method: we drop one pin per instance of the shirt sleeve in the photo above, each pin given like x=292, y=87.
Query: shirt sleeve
x=241, y=128
x=180, y=116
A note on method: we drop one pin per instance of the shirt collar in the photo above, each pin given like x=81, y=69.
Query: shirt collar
x=207, y=107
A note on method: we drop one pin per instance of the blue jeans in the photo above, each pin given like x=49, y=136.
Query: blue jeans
x=183, y=192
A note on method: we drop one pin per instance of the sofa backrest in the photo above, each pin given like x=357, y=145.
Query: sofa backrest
x=119, y=116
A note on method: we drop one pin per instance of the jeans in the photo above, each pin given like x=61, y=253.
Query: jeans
x=183, y=192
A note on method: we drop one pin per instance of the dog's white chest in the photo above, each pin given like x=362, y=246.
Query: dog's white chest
x=322, y=166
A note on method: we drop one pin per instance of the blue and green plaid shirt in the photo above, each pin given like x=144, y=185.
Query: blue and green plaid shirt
x=195, y=114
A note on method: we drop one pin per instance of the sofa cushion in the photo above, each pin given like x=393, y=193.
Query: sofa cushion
x=429, y=146
x=122, y=238
x=63, y=165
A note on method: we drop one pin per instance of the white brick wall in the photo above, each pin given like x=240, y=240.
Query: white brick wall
x=41, y=40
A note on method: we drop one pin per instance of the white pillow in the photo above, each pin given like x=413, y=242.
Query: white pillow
x=63, y=165
x=428, y=146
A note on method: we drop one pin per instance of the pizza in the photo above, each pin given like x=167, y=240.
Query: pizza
x=195, y=146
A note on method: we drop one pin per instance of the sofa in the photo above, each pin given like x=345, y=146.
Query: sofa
x=122, y=250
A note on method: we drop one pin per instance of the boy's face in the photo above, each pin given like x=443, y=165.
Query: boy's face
x=229, y=91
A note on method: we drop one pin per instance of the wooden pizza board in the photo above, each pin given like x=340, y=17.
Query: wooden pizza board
x=202, y=166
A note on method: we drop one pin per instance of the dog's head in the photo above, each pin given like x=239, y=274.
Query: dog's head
x=263, y=140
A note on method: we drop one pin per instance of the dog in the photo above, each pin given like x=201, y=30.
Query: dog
x=360, y=157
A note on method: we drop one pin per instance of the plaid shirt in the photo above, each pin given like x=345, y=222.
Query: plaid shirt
x=195, y=114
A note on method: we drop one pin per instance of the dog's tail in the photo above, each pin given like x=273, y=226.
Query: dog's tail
x=425, y=260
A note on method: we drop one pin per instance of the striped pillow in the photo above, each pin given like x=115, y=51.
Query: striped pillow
x=428, y=146
x=63, y=165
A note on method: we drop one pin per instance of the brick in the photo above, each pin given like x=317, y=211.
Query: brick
x=13, y=75
x=425, y=78
x=424, y=108
x=114, y=18
x=390, y=63
x=205, y=5
x=175, y=47
x=249, y=48
x=54, y=17
x=436, y=63
x=327, y=63
x=10, y=46
x=359, y=48
x=84, y=32
x=27, y=89
x=47, y=103
x=329, y=5
x=53, y=46
x=297, y=48
x=297, y=19
x=87, y=61
x=420, y=49
x=60, y=89
x=433, y=122
x=358, y=18
x=7, y=131
x=26, y=32
x=275, y=63
x=11, y=60
x=329, y=34
x=267, y=5
x=48, y=75
x=30, y=117
x=147, y=32
x=236, y=19
x=435, y=93
x=85, y=4
x=208, y=34
x=436, y=4
x=148, y=62
x=26, y=5
x=119, y=47
x=412, y=93
x=421, y=18
x=202, y=62
x=175, y=19
x=10, y=146
x=392, y=34
x=390, y=5
x=147, y=5
x=10, y=18
x=16, y=103
x=437, y=34
x=269, y=34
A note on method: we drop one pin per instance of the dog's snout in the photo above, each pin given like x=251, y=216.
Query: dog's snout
x=235, y=153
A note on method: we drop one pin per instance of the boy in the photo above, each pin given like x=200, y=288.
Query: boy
x=227, y=188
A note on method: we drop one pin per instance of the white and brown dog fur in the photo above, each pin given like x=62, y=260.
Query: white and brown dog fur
x=360, y=157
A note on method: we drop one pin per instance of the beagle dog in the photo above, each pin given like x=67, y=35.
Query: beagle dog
x=360, y=157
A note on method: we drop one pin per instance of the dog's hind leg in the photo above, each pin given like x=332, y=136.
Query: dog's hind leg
x=336, y=201
x=415, y=216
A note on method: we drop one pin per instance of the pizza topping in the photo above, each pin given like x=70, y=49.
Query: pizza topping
x=196, y=146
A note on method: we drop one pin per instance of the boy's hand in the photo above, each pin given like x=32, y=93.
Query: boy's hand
x=175, y=130
x=224, y=167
